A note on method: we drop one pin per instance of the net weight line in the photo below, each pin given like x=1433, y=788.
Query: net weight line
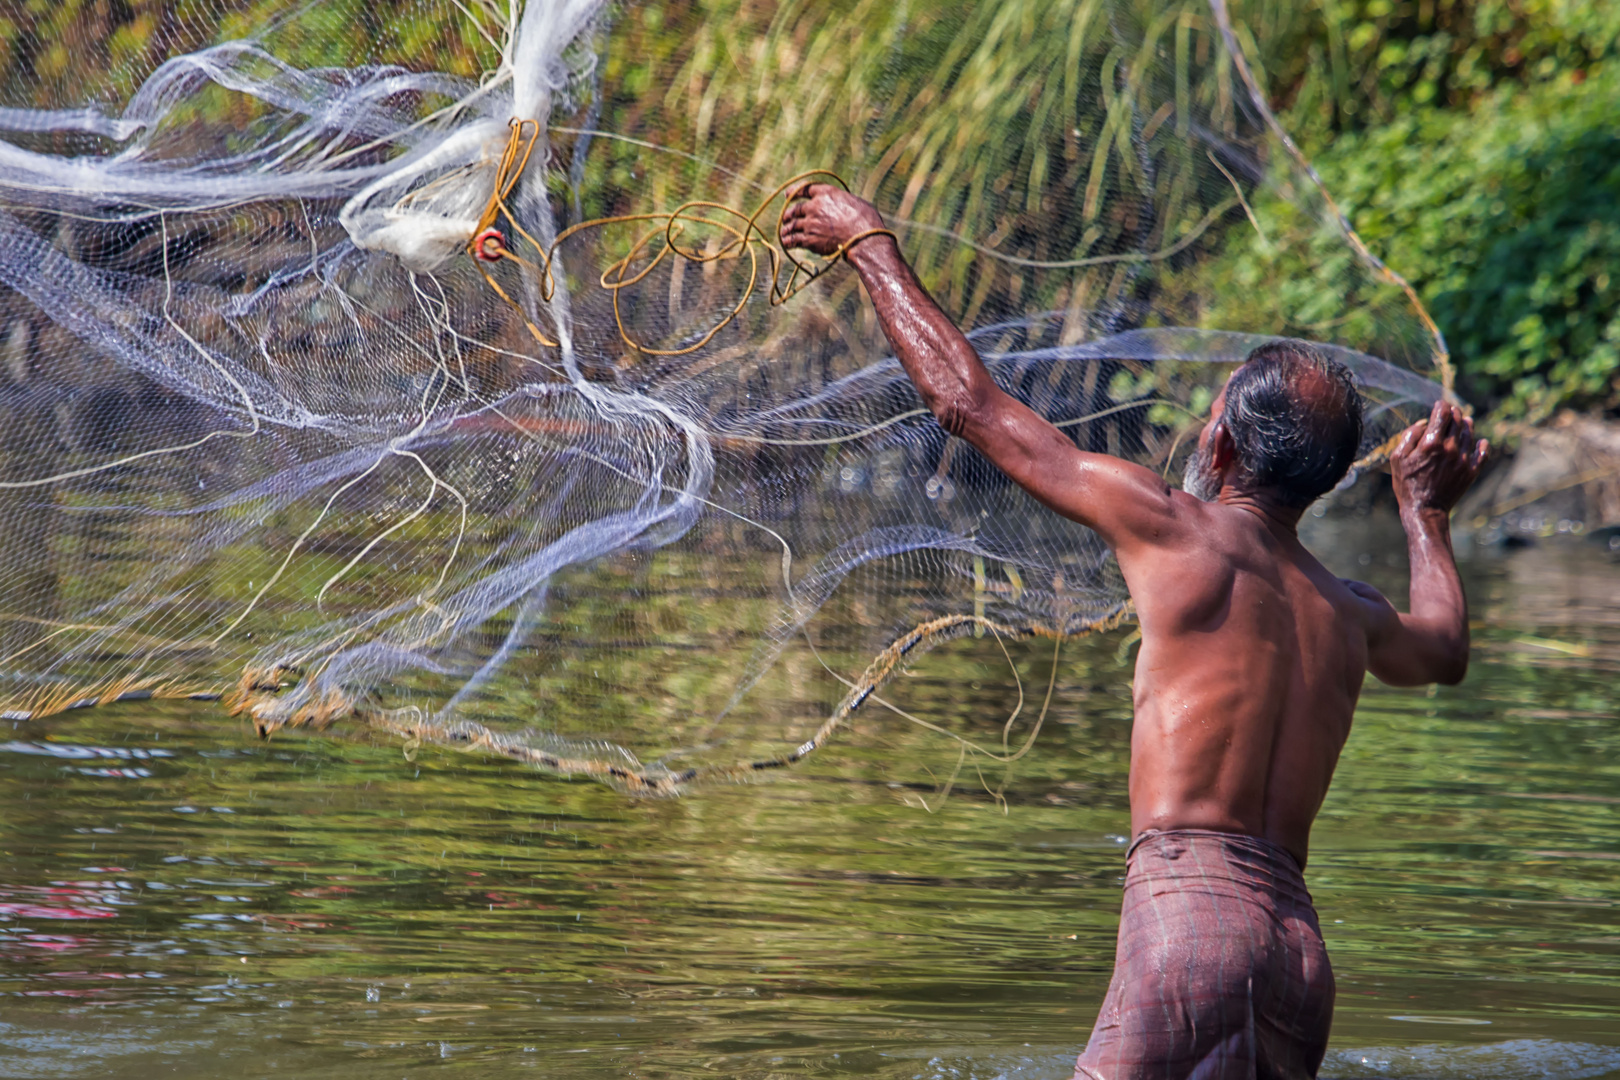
x=628, y=775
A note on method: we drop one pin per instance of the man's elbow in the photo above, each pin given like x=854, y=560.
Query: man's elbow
x=1423, y=668
x=1437, y=651
x=1452, y=669
x=961, y=408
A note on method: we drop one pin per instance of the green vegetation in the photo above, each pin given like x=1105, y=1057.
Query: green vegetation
x=1473, y=144
x=58, y=51
x=1038, y=128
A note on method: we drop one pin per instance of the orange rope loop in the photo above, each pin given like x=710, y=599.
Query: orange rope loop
x=745, y=237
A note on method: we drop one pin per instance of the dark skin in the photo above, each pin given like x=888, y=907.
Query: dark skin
x=1252, y=653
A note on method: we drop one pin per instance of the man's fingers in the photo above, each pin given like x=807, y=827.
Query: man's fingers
x=807, y=190
x=1409, y=439
x=1441, y=421
x=1441, y=424
x=802, y=240
x=1482, y=450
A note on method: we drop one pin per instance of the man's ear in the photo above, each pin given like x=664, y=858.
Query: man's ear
x=1222, y=450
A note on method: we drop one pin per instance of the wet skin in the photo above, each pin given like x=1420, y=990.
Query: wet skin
x=1252, y=653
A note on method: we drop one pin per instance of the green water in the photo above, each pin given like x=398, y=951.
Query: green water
x=178, y=898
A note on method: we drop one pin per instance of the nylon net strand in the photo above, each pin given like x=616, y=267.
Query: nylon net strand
x=354, y=368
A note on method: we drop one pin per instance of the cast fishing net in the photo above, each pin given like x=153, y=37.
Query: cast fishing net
x=429, y=364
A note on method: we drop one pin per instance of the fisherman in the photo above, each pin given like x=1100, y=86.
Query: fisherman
x=1251, y=661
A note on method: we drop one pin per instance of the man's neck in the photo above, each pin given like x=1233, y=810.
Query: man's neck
x=1264, y=505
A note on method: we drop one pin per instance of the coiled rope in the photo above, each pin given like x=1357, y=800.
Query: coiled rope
x=746, y=238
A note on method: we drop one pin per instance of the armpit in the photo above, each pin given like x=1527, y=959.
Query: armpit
x=1364, y=591
x=1375, y=608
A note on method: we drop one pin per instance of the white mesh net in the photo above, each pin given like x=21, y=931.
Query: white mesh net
x=273, y=430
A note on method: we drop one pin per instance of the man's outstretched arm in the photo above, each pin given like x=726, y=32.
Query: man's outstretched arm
x=1112, y=496
x=1432, y=467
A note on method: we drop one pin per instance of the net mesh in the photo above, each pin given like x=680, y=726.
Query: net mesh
x=431, y=364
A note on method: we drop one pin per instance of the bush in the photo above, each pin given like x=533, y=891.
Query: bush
x=1347, y=65
x=1505, y=215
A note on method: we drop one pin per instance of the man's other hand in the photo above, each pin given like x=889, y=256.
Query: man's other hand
x=822, y=218
x=1436, y=460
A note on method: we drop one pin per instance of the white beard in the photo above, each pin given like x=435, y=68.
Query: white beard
x=1199, y=480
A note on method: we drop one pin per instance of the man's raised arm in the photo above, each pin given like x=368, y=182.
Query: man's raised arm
x=1112, y=496
x=1433, y=465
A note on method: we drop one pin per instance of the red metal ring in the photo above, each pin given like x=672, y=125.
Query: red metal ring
x=489, y=245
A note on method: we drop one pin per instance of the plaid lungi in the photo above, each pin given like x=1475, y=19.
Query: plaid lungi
x=1220, y=971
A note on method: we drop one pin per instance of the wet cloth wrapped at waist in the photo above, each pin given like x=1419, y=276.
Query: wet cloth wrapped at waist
x=1233, y=865
x=1220, y=970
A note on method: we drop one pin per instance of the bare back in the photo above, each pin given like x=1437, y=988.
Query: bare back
x=1252, y=654
x=1251, y=661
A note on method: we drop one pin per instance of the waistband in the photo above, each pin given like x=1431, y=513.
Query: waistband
x=1244, y=859
x=1242, y=841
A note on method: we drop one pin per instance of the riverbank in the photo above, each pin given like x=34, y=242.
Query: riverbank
x=1558, y=479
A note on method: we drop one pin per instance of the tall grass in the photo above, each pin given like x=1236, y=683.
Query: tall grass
x=996, y=134
x=1079, y=132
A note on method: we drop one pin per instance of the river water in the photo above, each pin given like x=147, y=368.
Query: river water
x=178, y=898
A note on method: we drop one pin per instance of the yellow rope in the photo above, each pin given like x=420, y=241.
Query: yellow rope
x=746, y=237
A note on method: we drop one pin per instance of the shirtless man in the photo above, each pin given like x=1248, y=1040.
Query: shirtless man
x=1251, y=661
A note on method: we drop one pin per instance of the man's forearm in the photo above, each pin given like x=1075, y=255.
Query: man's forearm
x=942, y=363
x=1436, y=598
x=1119, y=500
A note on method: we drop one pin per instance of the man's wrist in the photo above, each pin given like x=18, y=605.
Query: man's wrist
x=1433, y=517
x=873, y=251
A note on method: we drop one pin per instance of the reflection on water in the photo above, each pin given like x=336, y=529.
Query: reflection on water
x=178, y=898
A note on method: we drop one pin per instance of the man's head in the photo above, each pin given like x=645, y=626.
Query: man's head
x=1288, y=423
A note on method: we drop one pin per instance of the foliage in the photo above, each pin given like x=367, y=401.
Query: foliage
x=1027, y=126
x=1345, y=65
x=945, y=113
x=1488, y=174
x=1467, y=140
x=53, y=51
